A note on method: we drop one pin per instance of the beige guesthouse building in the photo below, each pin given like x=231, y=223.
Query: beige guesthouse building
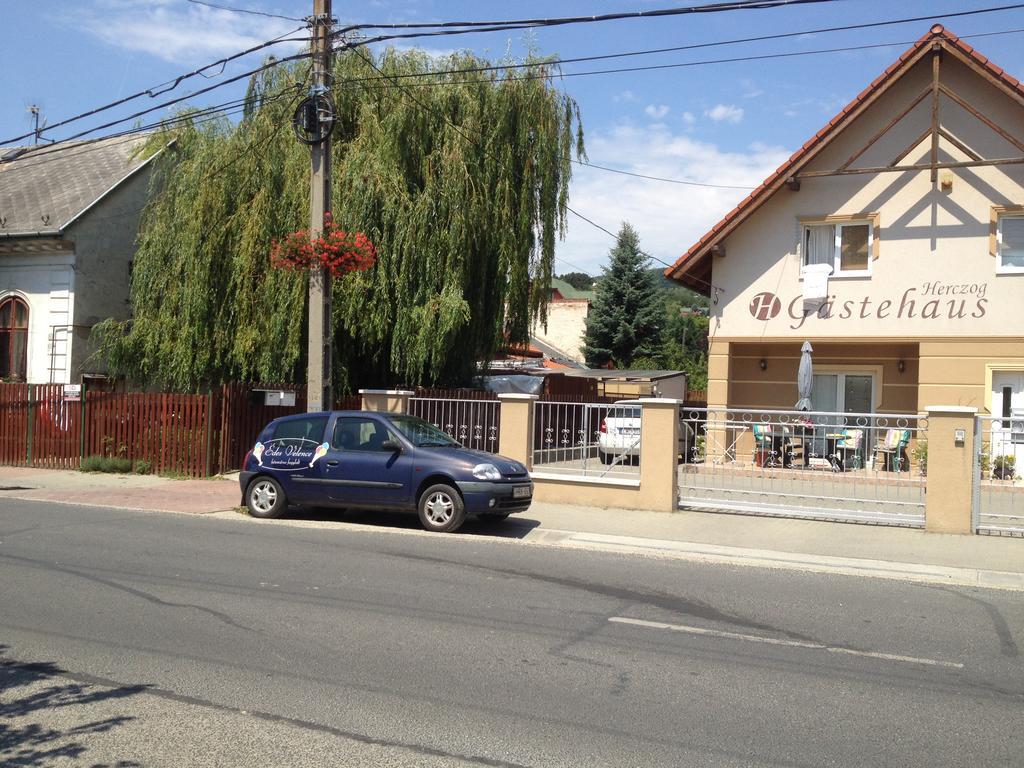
x=912, y=197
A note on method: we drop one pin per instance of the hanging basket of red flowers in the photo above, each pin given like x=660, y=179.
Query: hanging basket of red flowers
x=335, y=250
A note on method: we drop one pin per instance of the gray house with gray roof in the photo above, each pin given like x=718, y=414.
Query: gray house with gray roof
x=69, y=215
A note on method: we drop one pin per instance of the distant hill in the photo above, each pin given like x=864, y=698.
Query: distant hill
x=670, y=288
x=678, y=292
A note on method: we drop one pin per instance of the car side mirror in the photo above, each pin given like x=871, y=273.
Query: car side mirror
x=391, y=445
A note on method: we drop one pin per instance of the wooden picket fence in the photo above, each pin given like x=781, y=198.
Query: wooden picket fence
x=697, y=397
x=55, y=428
x=171, y=432
x=187, y=435
x=13, y=423
x=193, y=435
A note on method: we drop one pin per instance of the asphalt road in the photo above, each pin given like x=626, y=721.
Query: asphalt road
x=151, y=639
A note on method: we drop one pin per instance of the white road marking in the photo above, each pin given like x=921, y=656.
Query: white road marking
x=778, y=641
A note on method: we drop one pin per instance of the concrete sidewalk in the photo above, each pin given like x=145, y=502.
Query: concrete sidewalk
x=149, y=492
x=762, y=541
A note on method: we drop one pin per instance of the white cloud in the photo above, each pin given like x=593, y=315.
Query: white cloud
x=182, y=34
x=669, y=217
x=688, y=118
x=434, y=53
x=624, y=96
x=725, y=113
x=750, y=89
x=656, y=111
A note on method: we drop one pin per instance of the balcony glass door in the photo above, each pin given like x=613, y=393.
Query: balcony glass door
x=841, y=393
x=1008, y=403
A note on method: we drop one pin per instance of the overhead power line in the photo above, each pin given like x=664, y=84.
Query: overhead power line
x=736, y=5
x=661, y=178
x=245, y=10
x=458, y=129
x=381, y=81
x=201, y=71
x=568, y=263
x=51, y=153
x=615, y=237
x=169, y=85
x=651, y=67
x=180, y=99
x=697, y=46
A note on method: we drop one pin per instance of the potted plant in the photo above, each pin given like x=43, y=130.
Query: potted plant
x=700, y=448
x=335, y=250
x=1004, y=467
x=920, y=456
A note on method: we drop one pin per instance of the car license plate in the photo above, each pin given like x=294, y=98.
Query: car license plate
x=521, y=492
x=631, y=431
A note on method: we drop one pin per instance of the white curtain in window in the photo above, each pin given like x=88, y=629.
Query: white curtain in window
x=820, y=245
x=1012, y=250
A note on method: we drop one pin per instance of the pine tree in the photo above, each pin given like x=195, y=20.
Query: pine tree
x=626, y=318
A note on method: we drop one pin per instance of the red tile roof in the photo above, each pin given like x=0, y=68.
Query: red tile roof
x=693, y=268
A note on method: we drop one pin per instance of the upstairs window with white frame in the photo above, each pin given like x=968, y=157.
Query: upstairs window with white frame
x=845, y=246
x=1010, y=243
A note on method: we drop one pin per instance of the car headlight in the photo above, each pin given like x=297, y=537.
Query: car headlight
x=486, y=472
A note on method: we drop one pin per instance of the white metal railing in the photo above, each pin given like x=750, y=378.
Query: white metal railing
x=594, y=440
x=856, y=467
x=999, y=489
x=474, y=423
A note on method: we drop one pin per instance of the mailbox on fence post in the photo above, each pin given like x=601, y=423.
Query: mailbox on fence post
x=273, y=397
x=950, y=481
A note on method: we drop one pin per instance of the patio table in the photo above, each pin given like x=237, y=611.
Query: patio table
x=805, y=436
x=832, y=450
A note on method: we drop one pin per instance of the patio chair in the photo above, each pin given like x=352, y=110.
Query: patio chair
x=892, y=449
x=848, y=449
x=770, y=445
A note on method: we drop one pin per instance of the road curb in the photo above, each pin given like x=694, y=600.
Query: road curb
x=663, y=548
x=763, y=558
x=114, y=506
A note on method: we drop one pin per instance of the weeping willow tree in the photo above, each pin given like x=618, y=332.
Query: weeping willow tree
x=460, y=181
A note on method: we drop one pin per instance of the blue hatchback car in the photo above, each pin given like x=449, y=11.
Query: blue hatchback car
x=371, y=460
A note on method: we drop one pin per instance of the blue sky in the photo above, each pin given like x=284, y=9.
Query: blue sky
x=725, y=123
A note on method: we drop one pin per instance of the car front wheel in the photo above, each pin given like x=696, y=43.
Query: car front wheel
x=265, y=498
x=441, y=509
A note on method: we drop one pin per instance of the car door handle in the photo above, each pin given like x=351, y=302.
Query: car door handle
x=332, y=462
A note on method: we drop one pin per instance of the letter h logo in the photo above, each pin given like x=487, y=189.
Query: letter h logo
x=765, y=306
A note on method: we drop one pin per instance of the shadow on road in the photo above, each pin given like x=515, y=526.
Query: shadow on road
x=28, y=692
x=515, y=527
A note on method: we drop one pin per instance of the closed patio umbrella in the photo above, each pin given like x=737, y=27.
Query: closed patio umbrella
x=805, y=378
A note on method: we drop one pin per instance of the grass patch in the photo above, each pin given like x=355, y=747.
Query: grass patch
x=114, y=464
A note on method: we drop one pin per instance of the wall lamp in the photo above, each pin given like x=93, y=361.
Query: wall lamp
x=763, y=364
x=901, y=366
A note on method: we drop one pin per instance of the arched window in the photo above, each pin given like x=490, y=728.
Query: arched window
x=13, y=339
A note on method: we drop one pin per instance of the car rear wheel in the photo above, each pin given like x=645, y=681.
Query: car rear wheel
x=265, y=498
x=606, y=458
x=441, y=509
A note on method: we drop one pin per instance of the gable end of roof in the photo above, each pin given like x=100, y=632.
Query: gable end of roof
x=693, y=268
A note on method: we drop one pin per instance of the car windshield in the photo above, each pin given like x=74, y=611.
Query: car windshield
x=422, y=433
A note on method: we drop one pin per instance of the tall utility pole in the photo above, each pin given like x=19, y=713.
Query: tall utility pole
x=319, y=390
